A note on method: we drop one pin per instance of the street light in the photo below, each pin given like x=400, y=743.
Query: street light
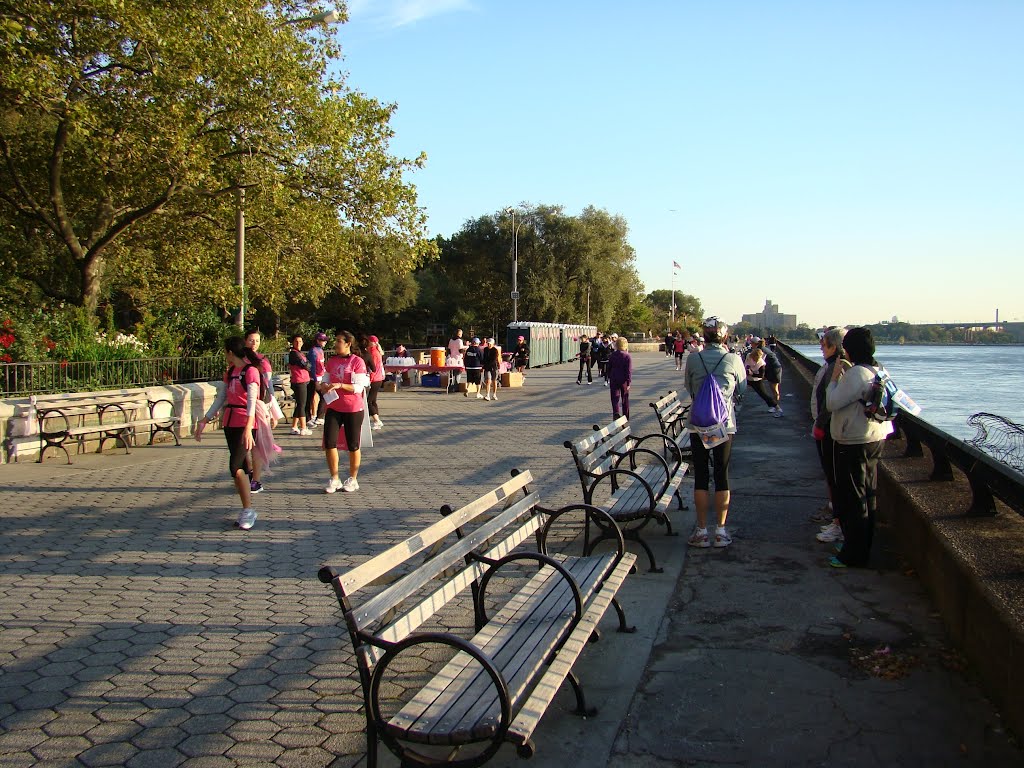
x=327, y=17
x=515, y=263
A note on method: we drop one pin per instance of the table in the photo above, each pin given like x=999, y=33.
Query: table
x=425, y=368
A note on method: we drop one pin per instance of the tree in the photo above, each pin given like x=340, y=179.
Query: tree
x=124, y=124
x=689, y=312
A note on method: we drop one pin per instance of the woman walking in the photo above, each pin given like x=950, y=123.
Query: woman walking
x=298, y=367
x=857, y=448
x=246, y=422
x=376, y=356
x=584, y=360
x=342, y=392
x=620, y=377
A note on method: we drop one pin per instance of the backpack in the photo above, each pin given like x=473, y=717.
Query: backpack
x=265, y=395
x=709, y=413
x=880, y=402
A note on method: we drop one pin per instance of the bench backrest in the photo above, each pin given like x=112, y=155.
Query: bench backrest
x=596, y=453
x=384, y=616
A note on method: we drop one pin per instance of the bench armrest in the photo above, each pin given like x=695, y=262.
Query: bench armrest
x=662, y=464
x=393, y=650
x=607, y=522
x=542, y=558
x=668, y=442
x=611, y=475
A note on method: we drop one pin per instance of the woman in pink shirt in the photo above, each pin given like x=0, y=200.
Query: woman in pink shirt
x=342, y=391
x=376, y=356
x=237, y=403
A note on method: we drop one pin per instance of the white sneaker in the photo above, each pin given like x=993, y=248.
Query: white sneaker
x=306, y=431
x=296, y=431
x=333, y=485
x=479, y=396
x=778, y=413
x=377, y=425
x=350, y=484
x=246, y=519
x=832, y=533
x=494, y=396
x=487, y=397
x=772, y=409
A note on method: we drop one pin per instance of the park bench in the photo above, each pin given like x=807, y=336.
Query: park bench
x=641, y=482
x=113, y=415
x=671, y=413
x=496, y=685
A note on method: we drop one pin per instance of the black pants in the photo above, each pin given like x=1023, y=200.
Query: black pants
x=300, y=391
x=310, y=391
x=826, y=452
x=856, y=471
x=763, y=391
x=720, y=456
x=371, y=397
x=584, y=363
x=239, y=457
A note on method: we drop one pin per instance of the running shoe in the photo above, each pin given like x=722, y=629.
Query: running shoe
x=699, y=538
x=350, y=484
x=296, y=431
x=255, y=486
x=772, y=409
x=830, y=534
x=778, y=413
x=487, y=397
x=246, y=519
x=377, y=425
x=722, y=538
x=835, y=562
x=494, y=396
x=306, y=431
x=479, y=396
x=333, y=485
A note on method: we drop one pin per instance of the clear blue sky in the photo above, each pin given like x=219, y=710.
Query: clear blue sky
x=850, y=161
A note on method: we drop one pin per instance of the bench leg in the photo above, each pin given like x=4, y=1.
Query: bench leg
x=679, y=498
x=623, y=626
x=581, y=704
x=154, y=431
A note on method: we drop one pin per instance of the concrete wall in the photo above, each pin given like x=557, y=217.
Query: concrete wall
x=970, y=566
x=190, y=402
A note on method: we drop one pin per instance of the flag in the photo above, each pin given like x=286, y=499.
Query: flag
x=675, y=265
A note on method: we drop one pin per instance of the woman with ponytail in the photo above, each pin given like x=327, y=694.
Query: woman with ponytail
x=246, y=422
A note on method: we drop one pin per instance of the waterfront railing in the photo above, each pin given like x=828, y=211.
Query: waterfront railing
x=990, y=478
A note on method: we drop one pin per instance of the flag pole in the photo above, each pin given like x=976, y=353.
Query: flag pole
x=673, y=306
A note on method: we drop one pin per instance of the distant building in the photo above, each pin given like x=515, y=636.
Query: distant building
x=770, y=318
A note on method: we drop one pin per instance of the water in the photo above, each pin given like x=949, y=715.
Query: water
x=952, y=382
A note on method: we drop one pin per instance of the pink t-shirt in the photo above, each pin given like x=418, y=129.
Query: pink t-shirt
x=235, y=399
x=377, y=374
x=340, y=370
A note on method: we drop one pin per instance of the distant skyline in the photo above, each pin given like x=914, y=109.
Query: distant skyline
x=849, y=161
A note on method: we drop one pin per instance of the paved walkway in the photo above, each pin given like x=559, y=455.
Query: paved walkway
x=137, y=627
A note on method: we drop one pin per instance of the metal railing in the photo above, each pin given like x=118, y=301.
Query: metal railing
x=23, y=379
x=989, y=478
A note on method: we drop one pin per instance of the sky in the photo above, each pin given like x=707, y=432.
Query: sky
x=850, y=161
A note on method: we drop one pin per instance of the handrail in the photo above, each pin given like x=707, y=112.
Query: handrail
x=989, y=477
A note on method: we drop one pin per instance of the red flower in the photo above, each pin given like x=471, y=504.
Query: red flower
x=5, y=358
x=63, y=363
x=7, y=340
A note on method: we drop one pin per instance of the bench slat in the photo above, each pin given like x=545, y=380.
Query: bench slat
x=360, y=576
x=460, y=702
x=413, y=582
x=525, y=722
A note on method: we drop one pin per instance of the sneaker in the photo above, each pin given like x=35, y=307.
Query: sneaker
x=772, y=409
x=699, y=538
x=589, y=383
x=377, y=425
x=606, y=383
x=306, y=431
x=835, y=562
x=832, y=533
x=350, y=484
x=246, y=519
x=487, y=397
x=578, y=383
x=722, y=538
x=333, y=485
x=494, y=396
x=778, y=414
x=466, y=393
x=296, y=431
x=479, y=396
x=255, y=486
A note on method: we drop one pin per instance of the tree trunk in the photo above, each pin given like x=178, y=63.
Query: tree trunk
x=92, y=280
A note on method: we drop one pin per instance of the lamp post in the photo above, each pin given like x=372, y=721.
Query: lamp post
x=515, y=263
x=327, y=17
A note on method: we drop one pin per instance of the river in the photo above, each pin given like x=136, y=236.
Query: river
x=952, y=382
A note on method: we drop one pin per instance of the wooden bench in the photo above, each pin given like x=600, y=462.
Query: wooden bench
x=115, y=415
x=496, y=685
x=671, y=413
x=642, y=482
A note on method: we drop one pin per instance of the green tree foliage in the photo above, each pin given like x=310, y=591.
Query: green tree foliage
x=128, y=129
x=689, y=312
x=564, y=263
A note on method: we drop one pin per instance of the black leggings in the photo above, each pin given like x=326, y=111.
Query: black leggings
x=300, y=391
x=310, y=391
x=371, y=397
x=351, y=423
x=720, y=454
x=763, y=391
x=239, y=456
x=584, y=363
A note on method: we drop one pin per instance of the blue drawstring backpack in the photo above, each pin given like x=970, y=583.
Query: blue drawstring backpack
x=709, y=413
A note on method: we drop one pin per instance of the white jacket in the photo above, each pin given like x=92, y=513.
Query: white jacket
x=844, y=399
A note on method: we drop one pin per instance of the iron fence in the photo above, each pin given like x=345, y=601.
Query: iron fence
x=23, y=379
